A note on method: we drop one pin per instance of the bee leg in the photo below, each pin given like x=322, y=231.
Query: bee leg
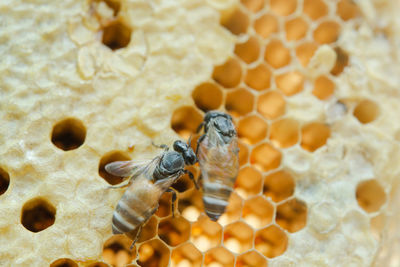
x=191, y=176
x=173, y=199
x=120, y=185
x=199, y=128
x=136, y=238
x=199, y=141
x=162, y=146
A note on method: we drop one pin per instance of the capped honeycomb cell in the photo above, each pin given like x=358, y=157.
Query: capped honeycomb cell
x=237, y=22
x=228, y=74
x=290, y=83
x=206, y=233
x=342, y=60
x=258, y=78
x=296, y=29
x=292, y=215
x=285, y=132
x=271, y=241
x=185, y=121
x=258, y=212
x=265, y=157
x=314, y=135
x=68, y=134
x=109, y=157
x=116, y=35
x=347, y=9
x=283, y=8
x=233, y=211
x=327, y=32
x=154, y=253
x=251, y=259
x=266, y=25
x=249, y=50
x=186, y=255
x=323, y=87
x=164, y=205
x=207, y=96
x=279, y=185
x=315, y=9
x=370, y=195
x=238, y=237
x=117, y=252
x=190, y=205
x=271, y=105
x=38, y=214
x=366, y=111
x=243, y=153
x=149, y=230
x=64, y=262
x=252, y=129
x=220, y=257
x=239, y=102
x=253, y=5
x=305, y=52
x=4, y=181
x=248, y=182
x=276, y=54
x=174, y=231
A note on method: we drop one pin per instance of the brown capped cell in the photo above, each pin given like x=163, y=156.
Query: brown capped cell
x=314, y=135
x=279, y=186
x=251, y=259
x=370, y=195
x=64, y=262
x=228, y=74
x=207, y=96
x=248, y=183
x=258, y=78
x=366, y=111
x=185, y=121
x=117, y=252
x=292, y=215
x=252, y=129
x=239, y=102
x=258, y=212
x=237, y=22
x=205, y=233
x=327, y=32
x=276, y=54
x=271, y=241
x=290, y=83
x=238, y=237
x=283, y=8
x=323, y=87
x=253, y=5
x=347, y=9
x=266, y=25
x=285, y=133
x=219, y=256
x=315, y=9
x=271, y=105
x=186, y=255
x=109, y=157
x=249, y=50
x=305, y=52
x=174, y=231
x=265, y=157
x=38, y=214
x=154, y=253
x=296, y=29
x=243, y=153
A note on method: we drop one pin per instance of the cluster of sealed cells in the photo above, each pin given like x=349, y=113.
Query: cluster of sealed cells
x=276, y=42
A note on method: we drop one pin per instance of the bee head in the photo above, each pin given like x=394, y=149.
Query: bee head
x=186, y=151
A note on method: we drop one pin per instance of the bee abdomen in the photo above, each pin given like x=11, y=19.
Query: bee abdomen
x=215, y=199
x=125, y=218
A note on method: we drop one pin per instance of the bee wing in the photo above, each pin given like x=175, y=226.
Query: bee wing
x=128, y=168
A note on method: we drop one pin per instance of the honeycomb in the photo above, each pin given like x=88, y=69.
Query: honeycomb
x=312, y=86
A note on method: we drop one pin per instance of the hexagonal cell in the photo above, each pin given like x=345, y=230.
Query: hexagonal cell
x=253, y=5
x=292, y=215
x=276, y=54
x=296, y=29
x=305, y=52
x=283, y=8
x=266, y=25
x=4, y=181
x=149, y=230
x=237, y=22
x=258, y=212
x=279, y=186
x=252, y=129
x=347, y=9
x=258, y=78
x=370, y=195
x=64, y=262
x=109, y=157
x=239, y=102
x=315, y=9
x=219, y=257
x=323, y=87
x=186, y=255
x=206, y=233
x=327, y=32
x=314, y=135
x=228, y=74
x=117, y=252
x=290, y=83
x=153, y=253
x=190, y=205
x=98, y=264
x=38, y=214
x=185, y=121
x=285, y=132
x=249, y=50
x=265, y=157
x=238, y=237
x=164, y=205
x=251, y=259
x=68, y=134
x=207, y=96
x=248, y=182
x=233, y=210
x=271, y=105
x=366, y=111
x=342, y=60
x=243, y=153
x=174, y=231
x=271, y=241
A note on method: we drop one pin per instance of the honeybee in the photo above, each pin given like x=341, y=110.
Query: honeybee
x=217, y=152
x=147, y=181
